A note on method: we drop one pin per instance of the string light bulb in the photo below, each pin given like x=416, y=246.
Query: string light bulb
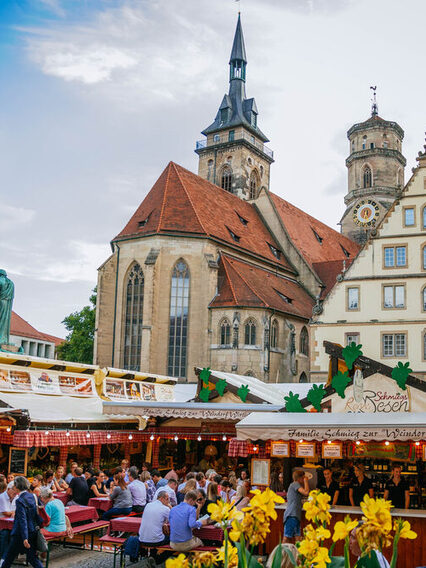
x=46, y=433
x=8, y=429
x=130, y=436
x=328, y=441
x=67, y=433
x=301, y=441
x=176, y=438
x=417, y=443
x=224, y=438
x=108, y=436
x=357, y=442
x=151, y=437
x=199, y=438
x=386, y=443
x=88, y=434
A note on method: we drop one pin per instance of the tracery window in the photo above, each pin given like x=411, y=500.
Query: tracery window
x=254, y=184
x=367, y=176
x=303, y=378
x=274, y=334
x=179, y=308
x=304, y=341
x=250, y=332
x=226, y=181
x=225, y=332
x=133, y=319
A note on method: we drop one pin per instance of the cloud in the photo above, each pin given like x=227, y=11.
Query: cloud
x=13, y=217
x=338, y=184
x=54, y=6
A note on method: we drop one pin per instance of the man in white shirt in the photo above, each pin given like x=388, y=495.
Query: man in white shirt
x=155, y=515
x=7, y=509
x=138, y=491
x=170, y=488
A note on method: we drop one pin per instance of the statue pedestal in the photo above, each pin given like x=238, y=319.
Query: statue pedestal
x=8, y=348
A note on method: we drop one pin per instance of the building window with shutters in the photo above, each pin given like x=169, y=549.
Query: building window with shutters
x=133, y=319
x=178, y=330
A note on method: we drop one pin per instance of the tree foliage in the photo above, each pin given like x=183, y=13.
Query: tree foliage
x=78, y=345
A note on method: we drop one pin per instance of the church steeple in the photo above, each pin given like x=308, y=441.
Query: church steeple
x=234, y=155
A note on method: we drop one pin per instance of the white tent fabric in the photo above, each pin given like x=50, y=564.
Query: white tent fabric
x=59, y=409
x=379, y=426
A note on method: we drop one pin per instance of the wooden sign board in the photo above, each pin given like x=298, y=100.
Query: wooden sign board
x=18, y=461
x=333, y=450
x=305, y=450
x=260, y=472
x=280, y=449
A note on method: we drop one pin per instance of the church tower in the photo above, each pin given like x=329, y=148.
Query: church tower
x=375, y=174
x=233, y=155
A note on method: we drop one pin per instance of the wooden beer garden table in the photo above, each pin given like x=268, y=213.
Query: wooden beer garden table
x=75, y=513
x=100, y=503
x=62, y=496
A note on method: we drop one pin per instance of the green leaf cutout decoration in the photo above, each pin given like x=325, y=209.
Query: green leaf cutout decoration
x=351, y=353
x=315, y=396
x=204, y=394
x=293, y=403
x=220, y=386
x=339, y=382
x=205, y=375
x=400, y=374
x=242, y=392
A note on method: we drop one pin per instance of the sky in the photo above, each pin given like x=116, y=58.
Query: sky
x=97, y=96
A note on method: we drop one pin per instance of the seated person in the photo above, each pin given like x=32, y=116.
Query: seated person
x=289, y=553
x=202, y=503
x=152, y=528
x=98, y=489
x=58, y=479
x=190, y=485
x=137, y=489
x=212, y=492
x=183, y=519
x=121, y=499
x=241, y=498
x=189, y=475
x=48, y=479
x=55, y=509
x=171, y=490
x=78, y=489
x=227, y=492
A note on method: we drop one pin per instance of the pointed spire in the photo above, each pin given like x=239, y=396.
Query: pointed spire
x=238, y=52
x=374, y=106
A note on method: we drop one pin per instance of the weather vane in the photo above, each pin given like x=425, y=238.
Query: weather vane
x=374, y=107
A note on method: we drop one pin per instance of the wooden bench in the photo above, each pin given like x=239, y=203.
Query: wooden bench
x=117, y=542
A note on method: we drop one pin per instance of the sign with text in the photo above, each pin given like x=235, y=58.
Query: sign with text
x=332, y=451
x=18, y=460
x=119, y=389
x=304, y=450
x=260, y=472
x=45, y=382
x=280, y=449
x=379, y=450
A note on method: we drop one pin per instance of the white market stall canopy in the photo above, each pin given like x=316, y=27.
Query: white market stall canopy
x=402, y=426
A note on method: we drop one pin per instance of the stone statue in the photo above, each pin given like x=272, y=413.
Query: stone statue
x=7, y=291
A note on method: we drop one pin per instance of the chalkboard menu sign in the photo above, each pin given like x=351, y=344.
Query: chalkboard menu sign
x=18, y=459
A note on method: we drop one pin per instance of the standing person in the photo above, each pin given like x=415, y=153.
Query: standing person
x=121, y=499
x=24, y=531
x=397, y=489
x=330, y=486
x=360, y=486
x=277, y=482
x=138, y=490
x=170, y=488
x=183, y=519
x=293, y=512
x=7, y=509
x=78, y=489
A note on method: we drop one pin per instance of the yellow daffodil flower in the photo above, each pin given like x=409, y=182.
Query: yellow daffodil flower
x=342, y=529
x=203, y=560
x=404, y=529
x=222, y=512
x=232, y=556
x=321, y=559
x=180, y=561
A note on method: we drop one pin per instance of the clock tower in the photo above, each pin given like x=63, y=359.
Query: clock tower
x=375, y=174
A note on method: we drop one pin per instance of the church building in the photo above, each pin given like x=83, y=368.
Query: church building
x=214, y=269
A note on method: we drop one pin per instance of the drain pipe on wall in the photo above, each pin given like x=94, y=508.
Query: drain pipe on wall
x=115, y=304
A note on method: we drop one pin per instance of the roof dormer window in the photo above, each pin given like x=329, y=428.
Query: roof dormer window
x=144, y=222
x=286, y=299
x=235, y=237
x=243, y=221
x=345, y=252
x=254, y=119
x=318, y=238
x=276, y=252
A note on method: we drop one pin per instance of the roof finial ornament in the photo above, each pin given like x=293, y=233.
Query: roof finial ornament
x=374, y=107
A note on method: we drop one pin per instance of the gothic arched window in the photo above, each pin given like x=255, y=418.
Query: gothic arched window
x=210, y=170
x=367, y=176
x=226, y=181
x=133, y=319
x=274, y=334
x=303, y=378
x=304, y=341
x=225, y=332
x=424, y=217
x=424, y=299
x=254, y=184
x=250, y=332
x=179, y=307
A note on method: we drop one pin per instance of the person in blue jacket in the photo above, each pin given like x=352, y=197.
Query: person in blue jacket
x=23, y=537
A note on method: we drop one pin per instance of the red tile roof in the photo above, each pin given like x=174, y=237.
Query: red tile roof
x=20, y=327
x=302, y=230
x=183, y=202
x=243, y=284
x=328, y=271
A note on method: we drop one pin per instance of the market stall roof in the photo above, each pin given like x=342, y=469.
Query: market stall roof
x=327, y=426
x=203, y=410
x=43, y=408
x=21, y=360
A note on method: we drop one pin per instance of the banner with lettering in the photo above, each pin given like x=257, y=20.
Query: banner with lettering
x=119, y=389
x=396, y=452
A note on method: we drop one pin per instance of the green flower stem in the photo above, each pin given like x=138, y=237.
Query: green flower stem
x=347, y=558
x=395, y=550
x=226, y=549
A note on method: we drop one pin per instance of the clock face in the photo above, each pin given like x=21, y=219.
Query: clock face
x=366, y=213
